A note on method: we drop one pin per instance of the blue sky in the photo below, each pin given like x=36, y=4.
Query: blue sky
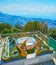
x=30, y=8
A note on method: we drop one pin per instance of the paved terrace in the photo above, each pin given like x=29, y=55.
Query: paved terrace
x=38, y=59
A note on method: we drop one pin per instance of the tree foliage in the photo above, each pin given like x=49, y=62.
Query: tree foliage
x=28, y=27
x=32, y=26
x=4, y=26
x=52, y=32
x=44, y=27
x=18, y=26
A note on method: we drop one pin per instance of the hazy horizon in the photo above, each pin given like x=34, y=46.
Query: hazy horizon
x=29, y=8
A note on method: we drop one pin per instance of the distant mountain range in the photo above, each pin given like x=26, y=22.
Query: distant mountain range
x=13, y=19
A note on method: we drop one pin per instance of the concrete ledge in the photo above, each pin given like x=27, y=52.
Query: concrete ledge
x=38, y=59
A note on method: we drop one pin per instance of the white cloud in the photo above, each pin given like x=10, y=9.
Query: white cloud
x=35, y=10
x=28, y=8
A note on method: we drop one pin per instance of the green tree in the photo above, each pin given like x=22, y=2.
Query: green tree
x=52, y=32
x=5, y=31
x=44, y=27
x=32, y=26
x=3, y=26
x=36, y=25
x=28, y=26
x=18, y=26
x=16, y=30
